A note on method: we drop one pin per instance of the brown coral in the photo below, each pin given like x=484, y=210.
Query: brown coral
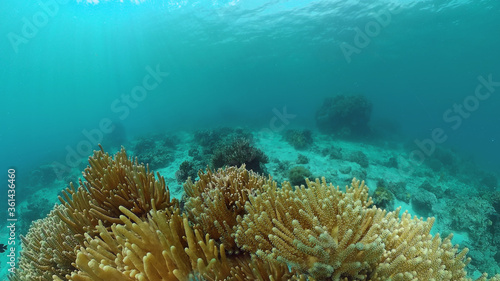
x=111, y=183
x=318, y=230
x=163, y=247
x=48, y=249
x=218, y=198
x=334, y=235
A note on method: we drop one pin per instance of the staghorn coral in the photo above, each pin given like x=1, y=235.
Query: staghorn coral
x=334, y=235
x=318, y=231
x=111, y=183
x=218, y=198
x=312, y=229
x=433, y=259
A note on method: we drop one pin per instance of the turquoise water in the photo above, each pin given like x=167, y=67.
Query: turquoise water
x=69, y=70
x=239, y=60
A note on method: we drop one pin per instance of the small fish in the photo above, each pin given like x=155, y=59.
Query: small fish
x=2, y=248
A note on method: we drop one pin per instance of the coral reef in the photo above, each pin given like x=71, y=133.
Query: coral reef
x=494, y=197
x=299, y=139
x=436, y=190
x=156, y=150
x=186, y=170
x=281, y=169
x=297, y=175
x=490, y=181
x=345, y=169
x=302, y=159
x=333, y=152
x=392, y=162
x=383, y=198
x=227, y=147
x=478, y=218
x=473, y=215
x=345, y=115
x=445, y=156
x=423, y=202
x=359, y=173
x=210, y=139
x=218, y=198
x=48, y=249
x=42, y=176
x=240, y=151
x=111, y=182
x=360, y=158
x=396, y=188
x=170, y=250
x=124, y=257
x=120, y=224
x=332, y=235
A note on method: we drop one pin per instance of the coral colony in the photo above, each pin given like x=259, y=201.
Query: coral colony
x=120, y=223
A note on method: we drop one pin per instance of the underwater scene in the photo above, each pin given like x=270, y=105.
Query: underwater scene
x=250, y=140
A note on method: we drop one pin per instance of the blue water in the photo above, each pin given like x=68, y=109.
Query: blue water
x=66, y=67
x=236, y=61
